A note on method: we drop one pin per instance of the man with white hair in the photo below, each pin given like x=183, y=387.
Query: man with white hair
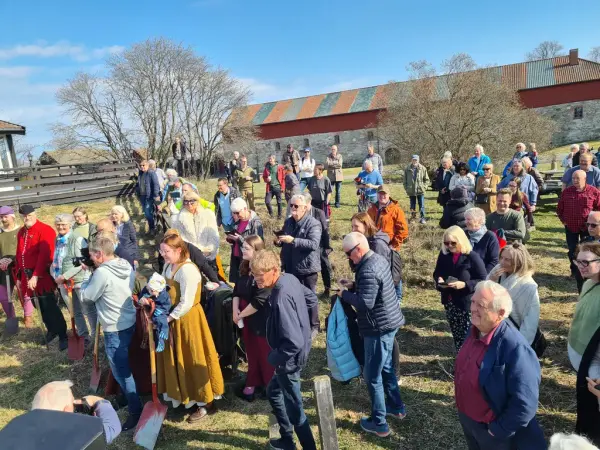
x=567, y=161
x=584, y=148
x=160, y=174
x=585, y=163
x=477, y=161
x=367, y=182
x=416, y=180
x=443, y=176
x=574, y=206
x=57, y=396
x=373, y=296
x=497, y=378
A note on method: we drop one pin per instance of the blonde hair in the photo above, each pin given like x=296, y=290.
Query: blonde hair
x=191, y=196
x=522, y=262
x=118, y=209
x=264, y=261
x=461, y=239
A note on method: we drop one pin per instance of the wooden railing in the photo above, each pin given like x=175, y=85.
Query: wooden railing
x=67, y=183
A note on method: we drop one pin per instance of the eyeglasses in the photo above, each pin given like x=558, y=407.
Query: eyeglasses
x=487, y=168
x=235, y=213
x=450, y=244
x=189, y=202
x=349, y=252
x=584, y=263
x=294, y=206
x=592, y=225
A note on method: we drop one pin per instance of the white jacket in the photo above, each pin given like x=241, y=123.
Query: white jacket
x=526, y=303
x=200, y=230
x=468, y=181
x=307, y=167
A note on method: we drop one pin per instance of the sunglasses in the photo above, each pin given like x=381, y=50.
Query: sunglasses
x=294, y=206
x=450, y=244
x=349, y=252
x=592, y=225
x=487, y=168
x=189, y=202
x=584, y=263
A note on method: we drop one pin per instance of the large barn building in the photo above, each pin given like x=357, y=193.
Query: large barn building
x=566, y=88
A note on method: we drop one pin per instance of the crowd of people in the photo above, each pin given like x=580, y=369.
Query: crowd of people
x=484, y=273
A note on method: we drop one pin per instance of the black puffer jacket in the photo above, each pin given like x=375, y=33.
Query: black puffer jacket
x=302, y=256
x=454, y=213
x=375, y=298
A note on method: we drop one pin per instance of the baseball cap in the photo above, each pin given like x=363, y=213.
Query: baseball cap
x=383, y=188
x=307, y=149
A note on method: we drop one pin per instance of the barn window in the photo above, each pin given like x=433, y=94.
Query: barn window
x=578, y=112
x=370, y=136
x=336, y=139
x=306, y=143
x=277, y=146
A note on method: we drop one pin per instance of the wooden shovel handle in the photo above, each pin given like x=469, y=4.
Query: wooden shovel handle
x=152, y=349
x=96, y=338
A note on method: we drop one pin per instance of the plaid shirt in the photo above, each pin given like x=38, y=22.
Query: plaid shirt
x=575, y=206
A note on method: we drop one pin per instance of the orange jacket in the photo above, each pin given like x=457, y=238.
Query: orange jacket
x=392, y=221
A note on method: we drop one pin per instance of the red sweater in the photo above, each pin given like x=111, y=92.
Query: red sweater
x=35, y=250
x=575, y=206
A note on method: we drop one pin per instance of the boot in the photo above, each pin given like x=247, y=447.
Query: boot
x=305, y=436
x=413, y=215
x=28, y=322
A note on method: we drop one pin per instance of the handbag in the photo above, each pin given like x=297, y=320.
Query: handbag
x=539, y=343
x=482, y=199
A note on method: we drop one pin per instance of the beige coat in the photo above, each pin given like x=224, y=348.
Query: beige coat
x=482, y=183
x=334, y=168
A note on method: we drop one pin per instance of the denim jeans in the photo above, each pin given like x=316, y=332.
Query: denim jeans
x=303, y=184
x=269, y=196
x=81, y=311
x=399, y=292
x=338, y=189
x=117, y=351
x=379, y=375
x=285, y=398
x=413, y=204
x=148, y=207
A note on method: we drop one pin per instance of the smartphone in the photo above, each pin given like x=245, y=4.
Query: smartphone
x=229, y=233
x=279, y=233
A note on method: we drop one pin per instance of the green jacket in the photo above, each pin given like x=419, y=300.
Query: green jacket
x=418, y=185
x=74, y=246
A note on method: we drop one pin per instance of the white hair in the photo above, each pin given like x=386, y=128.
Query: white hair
x=238, y=204
x=561, y=441
x=171, y=173
x=54, y=396
x=584, y=145
x=594, y=213
x=477, y=214
x=299, y=197
x=64, y=218
x=480, y=147
x=307, y=197
x=122, y=212
x=445, y=158
x=354, y=239
x=152, y=163
x=501, y=297
x=574, y=146
x=368, y=162
x=447, y=155
x=520, y=144
x=526, y=162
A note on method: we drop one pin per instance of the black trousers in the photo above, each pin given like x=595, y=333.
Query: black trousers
x=325, y=269
x=269, y=196
x=51, y=314
x=310, y=281
x=573, y=240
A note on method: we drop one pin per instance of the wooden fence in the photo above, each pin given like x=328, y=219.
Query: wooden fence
x=67, y=183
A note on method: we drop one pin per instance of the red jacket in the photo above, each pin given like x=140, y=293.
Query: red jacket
x=574, y=207
x=280, y=177
x=35, y=250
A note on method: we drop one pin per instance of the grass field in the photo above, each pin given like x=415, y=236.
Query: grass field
x=425, y=342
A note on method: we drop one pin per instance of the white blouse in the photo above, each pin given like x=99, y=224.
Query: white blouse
x=468, y=181
x=307, y=168
x=189, y=279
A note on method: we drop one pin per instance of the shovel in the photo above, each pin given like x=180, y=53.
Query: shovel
x=11, y=326
x=95, y=378
x=36, y=302
x=154, y=412
x=76, y=343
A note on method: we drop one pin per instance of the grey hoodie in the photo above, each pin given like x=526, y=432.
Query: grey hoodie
x=110, y=288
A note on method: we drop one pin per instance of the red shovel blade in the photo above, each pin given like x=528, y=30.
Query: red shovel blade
x=95, y=378
x=76, y=343
x=149, y=425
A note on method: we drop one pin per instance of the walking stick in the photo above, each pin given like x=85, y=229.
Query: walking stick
x=36, y=302
x=11, y=326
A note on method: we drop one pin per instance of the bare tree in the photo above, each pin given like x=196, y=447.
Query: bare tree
x=457, y=110
x=594, y=54
x=22, y=150
x=97, y=118
x=546, y=49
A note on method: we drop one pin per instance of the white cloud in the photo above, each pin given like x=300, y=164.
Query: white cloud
x=16, y=71
x=43, y=49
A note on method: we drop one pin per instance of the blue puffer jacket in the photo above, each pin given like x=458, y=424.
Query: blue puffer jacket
x=375, y=298
x=340, y=358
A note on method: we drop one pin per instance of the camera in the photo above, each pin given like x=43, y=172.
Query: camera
x=85, y=258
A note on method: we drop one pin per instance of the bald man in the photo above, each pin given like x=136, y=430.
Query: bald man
x=57, y=396
x=574, y=206
x=373, y=296
x=585, y=164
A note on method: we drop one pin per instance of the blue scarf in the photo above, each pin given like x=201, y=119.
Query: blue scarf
x=59, y=254
x=475, y=236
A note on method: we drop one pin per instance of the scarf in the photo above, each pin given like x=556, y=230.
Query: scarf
x=59, y=254
x=475, y=236
x=585, y=319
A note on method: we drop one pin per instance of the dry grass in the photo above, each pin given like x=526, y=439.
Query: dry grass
x=425, y=341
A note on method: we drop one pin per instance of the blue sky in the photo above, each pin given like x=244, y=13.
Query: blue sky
x=281, y=49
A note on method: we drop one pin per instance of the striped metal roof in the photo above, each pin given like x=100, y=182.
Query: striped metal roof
x=521, y=76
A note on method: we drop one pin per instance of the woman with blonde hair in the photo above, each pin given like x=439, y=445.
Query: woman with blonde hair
x=514, y=272
x=125, y=231
x=457, y=272
x=188, y=368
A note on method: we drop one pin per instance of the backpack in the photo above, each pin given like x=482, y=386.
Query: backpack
x=396, y=265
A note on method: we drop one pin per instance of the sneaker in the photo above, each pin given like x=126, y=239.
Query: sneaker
x=63, y=343
x=282, y=444
x=422, y=221
x=367, y=425
x=131, y=422
x=401, y=414
x=313, y=334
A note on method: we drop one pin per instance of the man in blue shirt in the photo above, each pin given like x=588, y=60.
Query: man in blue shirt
x=592, y=173
x=223, y=198
x=367, y=183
